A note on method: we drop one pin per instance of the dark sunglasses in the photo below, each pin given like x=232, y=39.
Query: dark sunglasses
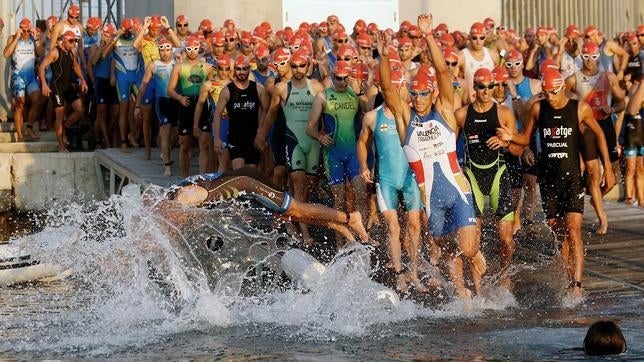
x=342, y=41
x=451, y=64
x=182, y=25
x=414, y=94
x=640, y=35
x=230, y=40
x=348, y=59
x=481, y=86
x=478, y=38
x=242, y=69
x=224, y=69
x=74, y=17
x=301, y=66
x=504, y=84
x=365, y=48
x=341, y=79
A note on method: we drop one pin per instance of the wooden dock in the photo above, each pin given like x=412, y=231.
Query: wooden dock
x=116, y=169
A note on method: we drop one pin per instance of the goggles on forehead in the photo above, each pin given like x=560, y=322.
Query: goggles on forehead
x=164, y=46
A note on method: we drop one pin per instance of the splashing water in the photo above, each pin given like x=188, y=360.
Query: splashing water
x=140, y=279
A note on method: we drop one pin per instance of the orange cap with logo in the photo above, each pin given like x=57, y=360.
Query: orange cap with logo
x=483, y=75
x=342, y=68
x=281, y=55
x=25, y=24
x=590, y=47
x=500, y=74
x=74, y=11
x=551, y=79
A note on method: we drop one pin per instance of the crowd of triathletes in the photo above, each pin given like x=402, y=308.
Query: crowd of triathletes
x=306, y=104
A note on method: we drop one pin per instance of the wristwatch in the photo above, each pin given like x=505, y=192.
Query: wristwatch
x=516, y=98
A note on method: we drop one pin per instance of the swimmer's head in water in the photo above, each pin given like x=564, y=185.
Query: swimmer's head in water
x=192, y=195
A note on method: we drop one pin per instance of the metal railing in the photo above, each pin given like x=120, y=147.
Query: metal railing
x=609, y=16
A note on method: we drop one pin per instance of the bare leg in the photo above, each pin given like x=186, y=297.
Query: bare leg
x=639, y=180
x=185, y=142
x=413, y=233
x=60, y=130
x=146, y=114
x=594, y=186
x=18, y=111
x=629, y=180
x=34, y=111
x=391, y=218
x=205, y=145
x=505, y=228
x=123, y=124
x=300, y=192
x=573, y=238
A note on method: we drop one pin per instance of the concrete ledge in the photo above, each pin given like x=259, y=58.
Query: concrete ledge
x=43, y=180
x=29, y=147
x=6, y=137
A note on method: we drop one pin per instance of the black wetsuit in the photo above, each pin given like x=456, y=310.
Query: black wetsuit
x=61, y=86
x=485, y=168
x=560, y=178
x=243, y=112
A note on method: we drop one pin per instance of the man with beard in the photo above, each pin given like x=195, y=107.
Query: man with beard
x=184, y=85
x=245, y=102
x=263, y=59
x=295, y=97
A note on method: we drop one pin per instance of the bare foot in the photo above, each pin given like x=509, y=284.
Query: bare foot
x=435, y=254
x=373, y=220
x=464, y=293
x=573, y=297
x=401, y=283
x=479, y=263
x=32, y=134
x=147, y=154
x=124, y=148
x=62, y=149
x=506, y=283
x=355, y=223
x=603, y=225
x=167, y=171
x=133, y=141
x=418, y=285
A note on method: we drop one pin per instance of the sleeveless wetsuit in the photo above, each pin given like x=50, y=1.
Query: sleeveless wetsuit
x=393, y=173
x=595, y=90
x=243, y=112
x=339, y=118
x=560, y=179
x=485, y=168
x=302, y=151
x=166, y=108
x=430, y=149
x=191, y=77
